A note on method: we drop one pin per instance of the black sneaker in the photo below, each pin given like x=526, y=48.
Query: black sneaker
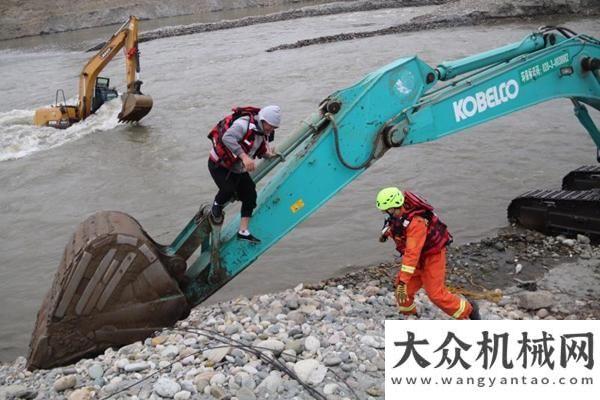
x=248, y=237
x=217, y=211
x=475, y=312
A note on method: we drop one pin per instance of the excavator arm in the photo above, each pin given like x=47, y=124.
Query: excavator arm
x=93, y=92
x=398, y=105
x=112, y=267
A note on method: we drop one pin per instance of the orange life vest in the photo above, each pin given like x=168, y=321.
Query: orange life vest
x=225, y=156
x=437, y=232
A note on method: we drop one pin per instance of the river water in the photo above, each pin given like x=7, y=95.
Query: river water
x=156, y=171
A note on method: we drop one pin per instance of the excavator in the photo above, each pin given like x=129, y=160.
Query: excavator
x=95, y=90
x=116, y=285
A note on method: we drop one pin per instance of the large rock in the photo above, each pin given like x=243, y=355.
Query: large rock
x=535, y=300
x=310, y=371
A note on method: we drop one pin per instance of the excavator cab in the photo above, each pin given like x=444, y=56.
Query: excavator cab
x=102, y=93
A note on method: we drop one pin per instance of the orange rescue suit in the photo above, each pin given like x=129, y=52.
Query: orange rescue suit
x=426, y=269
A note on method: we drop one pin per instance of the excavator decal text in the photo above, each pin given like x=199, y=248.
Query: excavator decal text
x=479, y=102
x=106, y=52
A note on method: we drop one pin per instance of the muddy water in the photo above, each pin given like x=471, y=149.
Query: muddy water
x=157, y=171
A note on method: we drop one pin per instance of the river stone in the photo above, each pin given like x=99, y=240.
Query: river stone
x=218, y=379
x=312, y=344
x=170, y=351
x=372, y=342
x=247, y=382
x=289, y=355
x=122, y=363
x=182, y=395
x=188, y=360
x=375, y=391
x=96, y=371
x=295, y=345
x=583, y=239
x=216, y=392
x=136, y=367
x=535, y=300
x=334, y=339
x=310, y=371
x=200, y=384
x=166, y=387
x=245, y=394
x=188, y=385
x=64, y=383
x=332, y=360
x=231, y=329
x=158, y=340
x=370, y=291
x=330, y=388
x=273, y=345
x=271, y=383
x=251, y=369
x=82, y=394
x=217, y=354
x=291, y=302
x=16, y=392
x=542, y=313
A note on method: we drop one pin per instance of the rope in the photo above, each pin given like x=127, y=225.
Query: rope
x=256, y=350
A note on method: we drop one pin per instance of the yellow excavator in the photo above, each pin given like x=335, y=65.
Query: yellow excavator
x=95, y=91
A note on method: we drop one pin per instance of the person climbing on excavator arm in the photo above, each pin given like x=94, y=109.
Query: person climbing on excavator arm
x=237, y=140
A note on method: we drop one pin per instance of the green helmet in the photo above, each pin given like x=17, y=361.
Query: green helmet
x=389, y=198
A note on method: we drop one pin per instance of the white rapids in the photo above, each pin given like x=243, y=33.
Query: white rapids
x=20, y=138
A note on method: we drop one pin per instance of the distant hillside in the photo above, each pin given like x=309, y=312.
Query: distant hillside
x=19, y=18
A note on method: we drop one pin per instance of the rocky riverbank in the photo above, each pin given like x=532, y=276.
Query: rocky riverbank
x=448, y=13
x=322, y=340
x=466, y=13
x=35, y=17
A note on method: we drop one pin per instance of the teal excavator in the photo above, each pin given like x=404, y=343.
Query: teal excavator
x=116, y=285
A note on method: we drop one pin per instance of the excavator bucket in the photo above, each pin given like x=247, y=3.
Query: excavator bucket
x=114, y=286
x=135, y=107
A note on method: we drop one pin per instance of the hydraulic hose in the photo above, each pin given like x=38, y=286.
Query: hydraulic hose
x=336, y=135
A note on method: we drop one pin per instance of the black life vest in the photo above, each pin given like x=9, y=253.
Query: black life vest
x=225, y=156
x=438, y=235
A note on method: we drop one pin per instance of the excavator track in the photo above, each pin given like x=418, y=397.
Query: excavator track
x=558, y=211
x=114, y=286
x=583, y=178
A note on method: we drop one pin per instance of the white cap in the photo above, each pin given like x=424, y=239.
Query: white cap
x=271, y=114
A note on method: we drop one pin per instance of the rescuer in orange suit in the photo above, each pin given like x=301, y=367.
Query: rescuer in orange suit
x=421, y=238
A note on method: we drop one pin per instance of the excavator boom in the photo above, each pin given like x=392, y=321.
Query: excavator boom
x=94, y=91
x=405, y=102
